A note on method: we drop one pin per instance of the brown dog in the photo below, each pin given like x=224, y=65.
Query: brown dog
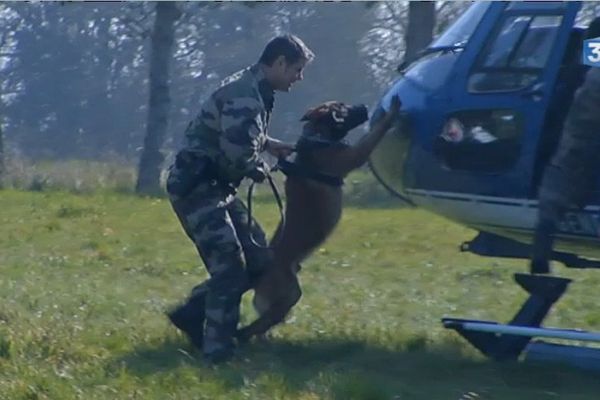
x=313, y=202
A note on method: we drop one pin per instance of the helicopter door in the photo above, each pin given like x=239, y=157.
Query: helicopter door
x=500, y=95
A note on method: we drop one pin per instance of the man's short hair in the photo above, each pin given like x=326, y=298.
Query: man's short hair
x=289, y=46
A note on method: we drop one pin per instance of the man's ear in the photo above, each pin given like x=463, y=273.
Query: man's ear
x=280, y=62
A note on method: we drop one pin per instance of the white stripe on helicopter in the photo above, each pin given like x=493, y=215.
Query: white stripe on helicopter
x=513, y=218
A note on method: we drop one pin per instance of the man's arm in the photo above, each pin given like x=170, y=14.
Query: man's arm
x=243, y=137
x=277, y=148
x=584, y=115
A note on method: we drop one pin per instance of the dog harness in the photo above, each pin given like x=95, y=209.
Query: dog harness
x=306, y=145
x=293, y=169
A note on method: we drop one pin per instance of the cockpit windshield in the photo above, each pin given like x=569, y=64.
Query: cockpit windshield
x=460, y=32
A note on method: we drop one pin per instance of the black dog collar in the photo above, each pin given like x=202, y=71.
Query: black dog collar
x=292, y=169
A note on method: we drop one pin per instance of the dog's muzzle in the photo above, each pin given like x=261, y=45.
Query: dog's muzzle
x=357, y=115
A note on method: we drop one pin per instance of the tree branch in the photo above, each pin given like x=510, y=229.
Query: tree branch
x=137, y=24
x=11, y=92
x=7, y=70
x=396, y=17
x=134, y=24
x=187, y=52
x=443, y=5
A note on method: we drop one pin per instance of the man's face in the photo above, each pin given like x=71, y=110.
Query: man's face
x=286, y=74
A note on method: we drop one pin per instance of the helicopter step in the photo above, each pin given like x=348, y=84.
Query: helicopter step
x=504, y=342
x=494, y=327
x=577, y=356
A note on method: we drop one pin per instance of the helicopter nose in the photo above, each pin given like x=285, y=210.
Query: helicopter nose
x=388, y=159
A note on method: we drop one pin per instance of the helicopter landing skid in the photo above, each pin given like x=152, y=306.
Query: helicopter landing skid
x=505, y=342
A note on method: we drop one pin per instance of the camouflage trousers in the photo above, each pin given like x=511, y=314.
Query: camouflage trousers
x=572, y=174
x=217, y=224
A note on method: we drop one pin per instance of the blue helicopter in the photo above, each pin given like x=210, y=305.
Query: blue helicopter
x=483, y=107
x=483, y=110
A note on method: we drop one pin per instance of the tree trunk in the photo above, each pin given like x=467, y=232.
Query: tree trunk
x=2, y=158
x=161, y=53
x=421, y=22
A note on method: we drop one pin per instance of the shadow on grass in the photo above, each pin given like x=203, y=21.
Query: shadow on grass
x=349, y=369
x=166, y=355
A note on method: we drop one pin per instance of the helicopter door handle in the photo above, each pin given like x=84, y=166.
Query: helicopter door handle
x=536, y=92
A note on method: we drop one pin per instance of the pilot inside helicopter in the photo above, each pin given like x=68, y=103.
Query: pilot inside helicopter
x=485, y=140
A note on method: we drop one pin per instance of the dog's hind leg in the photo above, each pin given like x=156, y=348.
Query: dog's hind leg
x=274, y=311
x=276, y=286
x=273, y=316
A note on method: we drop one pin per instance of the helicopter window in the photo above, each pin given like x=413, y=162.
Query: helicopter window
x=480, y=140
x=516, y=56
x=528, y=5
x=507, y=40
x=500, y=81
x=432, y=70
x=537, y=43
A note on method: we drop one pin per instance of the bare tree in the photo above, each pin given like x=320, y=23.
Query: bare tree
x=383, y=45
x=419, y=32
x=2, y=166
x=7, y=51
x=162, y=39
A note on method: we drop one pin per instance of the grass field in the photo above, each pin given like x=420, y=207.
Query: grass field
x=85, y=280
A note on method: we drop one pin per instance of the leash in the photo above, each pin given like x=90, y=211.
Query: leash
x=289, y=168
x=249, y=204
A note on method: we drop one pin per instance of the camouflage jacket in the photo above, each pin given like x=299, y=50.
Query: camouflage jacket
x=574, y=168
x=231, y=128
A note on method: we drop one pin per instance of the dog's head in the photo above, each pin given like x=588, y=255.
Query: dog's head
x=333, y=119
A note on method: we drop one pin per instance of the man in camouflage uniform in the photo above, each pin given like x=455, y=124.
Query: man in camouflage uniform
x=572, y=174
x=222, y=146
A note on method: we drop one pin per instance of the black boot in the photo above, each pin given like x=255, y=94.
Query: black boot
x=189, y=318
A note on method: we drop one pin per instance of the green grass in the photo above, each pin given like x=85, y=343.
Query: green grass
x=75, y=176
x=89, y=177
x=85, y=281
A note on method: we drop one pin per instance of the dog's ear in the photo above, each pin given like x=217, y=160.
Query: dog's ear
x=307, y=115
x=320, y=111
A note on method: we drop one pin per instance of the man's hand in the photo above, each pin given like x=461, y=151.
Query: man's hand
x=259, y=174
x=279, y=149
